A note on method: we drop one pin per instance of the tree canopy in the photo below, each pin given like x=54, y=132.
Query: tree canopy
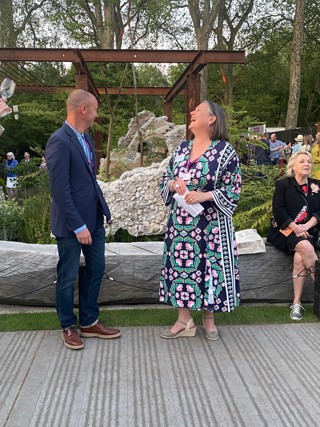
x=267, y=87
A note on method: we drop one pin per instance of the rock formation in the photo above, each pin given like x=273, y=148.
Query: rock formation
x=134, y=199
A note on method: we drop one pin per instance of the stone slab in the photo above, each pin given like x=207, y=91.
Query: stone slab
x=28, y=274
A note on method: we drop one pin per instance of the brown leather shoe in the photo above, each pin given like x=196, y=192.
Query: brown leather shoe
x=100, y=331
x=71, y=338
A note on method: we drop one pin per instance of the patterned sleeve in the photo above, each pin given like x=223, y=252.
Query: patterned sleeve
x=227, y=192
x=167, y=176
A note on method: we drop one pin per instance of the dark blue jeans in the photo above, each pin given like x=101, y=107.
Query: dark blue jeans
x=89, y=286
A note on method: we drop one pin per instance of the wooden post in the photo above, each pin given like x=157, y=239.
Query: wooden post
x=82, y=81
x=168, y=110
x=193, y=96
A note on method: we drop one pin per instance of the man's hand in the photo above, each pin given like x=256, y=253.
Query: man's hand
x=84, y=237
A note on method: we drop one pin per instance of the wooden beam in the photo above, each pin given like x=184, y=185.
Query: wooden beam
x=83, y=77
x=147, y=91
x=123, y=55
x=196, y=64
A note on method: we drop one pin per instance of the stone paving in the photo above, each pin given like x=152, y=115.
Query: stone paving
x=262, y=375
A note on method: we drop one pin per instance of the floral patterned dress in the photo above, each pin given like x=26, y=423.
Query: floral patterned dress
x=200, y=264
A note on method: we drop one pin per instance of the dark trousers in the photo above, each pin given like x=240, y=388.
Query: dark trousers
x=68, y=267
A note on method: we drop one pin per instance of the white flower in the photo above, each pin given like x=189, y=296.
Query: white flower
x=314, y=188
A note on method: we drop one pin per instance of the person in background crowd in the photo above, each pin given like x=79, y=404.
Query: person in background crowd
x=26, y=157
x=307, y=142
x=276, y=146
x=296, y=210
x=287, y=152
x=77, y=216
x=43, y=164
x=315, y=152
x=200, y=263
x=282, y=157
x=262, y=152
x=12, y=177
x=303, y=143
x=298, y=144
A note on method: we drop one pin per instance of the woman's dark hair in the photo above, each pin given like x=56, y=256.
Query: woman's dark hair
x=219, y=127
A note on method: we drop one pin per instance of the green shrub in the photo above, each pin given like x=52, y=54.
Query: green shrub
x=35, y=225
x=255, y=205
x=27, y=219
x=11, y=217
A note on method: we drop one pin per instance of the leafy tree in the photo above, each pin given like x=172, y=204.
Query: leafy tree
x=90, y=23
x=39, y=116
x=262, y=84
x=20, y=22
x=231, y=19
x=150, y=75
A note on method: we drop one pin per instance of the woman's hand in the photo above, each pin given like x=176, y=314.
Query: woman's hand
x=311, y=223
x=178, y=186
x=197, y=197
x=301, y=230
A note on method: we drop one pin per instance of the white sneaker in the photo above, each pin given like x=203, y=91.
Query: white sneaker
x=296, y=311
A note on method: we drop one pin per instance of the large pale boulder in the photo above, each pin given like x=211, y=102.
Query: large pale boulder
x=134, y=198
x=135, y=201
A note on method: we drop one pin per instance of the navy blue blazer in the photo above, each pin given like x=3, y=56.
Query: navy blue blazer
x=76, y=195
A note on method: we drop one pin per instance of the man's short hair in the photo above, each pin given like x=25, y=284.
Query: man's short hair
x=77, y=98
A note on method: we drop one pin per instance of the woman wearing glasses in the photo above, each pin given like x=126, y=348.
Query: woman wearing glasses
x=296, y=210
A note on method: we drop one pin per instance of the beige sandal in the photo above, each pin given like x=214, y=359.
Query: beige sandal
x=212, y=336
x=187, y=331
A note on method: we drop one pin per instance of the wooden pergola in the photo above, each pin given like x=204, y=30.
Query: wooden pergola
x=188, y=83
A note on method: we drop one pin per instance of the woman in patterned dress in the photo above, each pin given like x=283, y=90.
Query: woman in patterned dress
x=200, y=264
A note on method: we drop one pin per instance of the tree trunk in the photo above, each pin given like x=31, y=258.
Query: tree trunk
x=230, y=23
x=295, y=66
x=105, y=26
x=7, y=32
x=203, y=21
x=228, y=91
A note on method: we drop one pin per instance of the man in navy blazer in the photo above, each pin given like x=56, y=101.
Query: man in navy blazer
x=77, y=212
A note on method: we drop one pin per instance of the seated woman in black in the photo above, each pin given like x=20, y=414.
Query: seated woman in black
x=296, y=210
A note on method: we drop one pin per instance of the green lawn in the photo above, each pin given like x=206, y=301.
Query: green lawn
x=244, y=315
